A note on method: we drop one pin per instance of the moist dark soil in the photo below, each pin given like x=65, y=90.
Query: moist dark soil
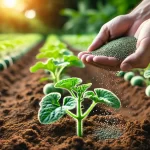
x=104, y=129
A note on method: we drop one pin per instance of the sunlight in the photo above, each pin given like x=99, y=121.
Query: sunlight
x=30, y=14
x=9, y=3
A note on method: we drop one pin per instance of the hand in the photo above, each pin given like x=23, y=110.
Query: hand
x=119, y=26
x=141, y=58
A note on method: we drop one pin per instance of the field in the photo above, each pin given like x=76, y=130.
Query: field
x=104, y=128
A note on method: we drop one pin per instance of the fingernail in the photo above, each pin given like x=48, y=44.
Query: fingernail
x=126, y=67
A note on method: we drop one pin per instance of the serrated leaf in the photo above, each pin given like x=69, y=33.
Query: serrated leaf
x=80, y=90
x=107, y=97
x=68, y=84
x=50, y=109
x=147, y=74
x=74, y=61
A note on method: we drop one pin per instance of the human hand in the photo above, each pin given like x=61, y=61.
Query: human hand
x=124, y=25
x=141, y=57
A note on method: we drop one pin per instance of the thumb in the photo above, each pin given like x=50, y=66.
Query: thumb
x=139, y=59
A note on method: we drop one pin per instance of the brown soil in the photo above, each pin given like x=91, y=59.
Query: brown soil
x=104, y=129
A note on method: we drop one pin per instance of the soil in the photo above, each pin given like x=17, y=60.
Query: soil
x=104, y=129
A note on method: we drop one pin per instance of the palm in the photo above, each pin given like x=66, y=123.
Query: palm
x=119, y=26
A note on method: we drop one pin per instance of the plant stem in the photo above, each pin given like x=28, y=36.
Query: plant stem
x=58, y=73
x=89, y=110
x=54, y=77
x=71, y=114
x=72, y=93
x=79, y=119
x=79, y=127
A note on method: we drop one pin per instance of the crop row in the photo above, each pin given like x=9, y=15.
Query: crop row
x=14, y=46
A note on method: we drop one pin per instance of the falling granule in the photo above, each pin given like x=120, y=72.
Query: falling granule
x=109, y=132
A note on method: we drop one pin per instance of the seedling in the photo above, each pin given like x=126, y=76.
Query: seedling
x=56, y=68
x=120, y=73
x=128, y=76
x=147, y=76
x=147, y=91
x=137, y=81
x=50, y=109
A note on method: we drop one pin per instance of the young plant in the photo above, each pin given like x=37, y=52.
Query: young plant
x=137, y=81
x=56, y=68
x=147, y=76
x=128, y=76
x=120, y=73
x=50, y=109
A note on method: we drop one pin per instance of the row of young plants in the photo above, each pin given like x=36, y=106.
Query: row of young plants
x=57, y=58
x=138, y=77
x=14, y=46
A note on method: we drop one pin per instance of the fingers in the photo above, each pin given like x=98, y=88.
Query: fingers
x=98, y=61
x=139, y=59
x=143, y=32
x=109, y=61
x=100, y=39
x=81, y=54
x=111, y=30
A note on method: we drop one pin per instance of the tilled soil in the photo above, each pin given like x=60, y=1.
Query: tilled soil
x=104, y=129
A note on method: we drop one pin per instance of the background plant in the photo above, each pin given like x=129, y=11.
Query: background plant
x=58, y=57
x=91, y=15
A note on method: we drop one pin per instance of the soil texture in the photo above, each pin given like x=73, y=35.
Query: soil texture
x=104, y=129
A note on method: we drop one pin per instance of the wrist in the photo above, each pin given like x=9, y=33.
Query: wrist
x=141, y=12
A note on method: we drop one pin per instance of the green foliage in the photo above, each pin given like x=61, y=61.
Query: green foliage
x=147, y=74
x=89, y=19
x=128, y=76
x=147, y=91
x=103, y=96
x=79, y=41
x=120, y=73
x=14, y=46
x=137, y=81
x=58, y=58
x=51, y=110
x=49, y=88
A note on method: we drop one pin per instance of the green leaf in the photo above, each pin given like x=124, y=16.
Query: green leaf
x=56, y=53
x=69, y=12
x=45, y=79
x=89, y=94
x=107, y=97
x=67, y=52
x=74, y=61
x=38, y=66
x=80, y=90
x=68, y=84
x=48, y=54
x=50, y=109
x=69, y=102
x=50, y=65
x=147, y=74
